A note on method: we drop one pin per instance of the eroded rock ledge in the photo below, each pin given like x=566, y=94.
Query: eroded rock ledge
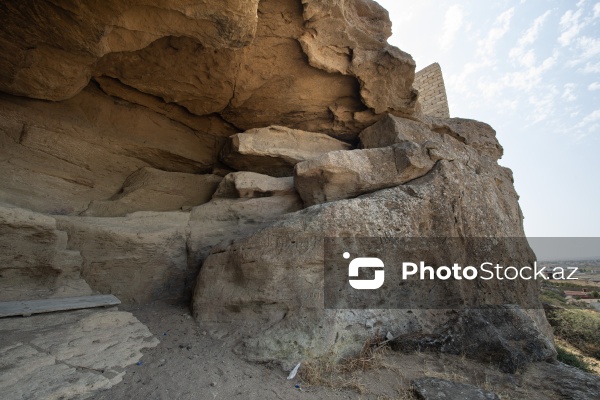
x=255, y=64
x=155, y=149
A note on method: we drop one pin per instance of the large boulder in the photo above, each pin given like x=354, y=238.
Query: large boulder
x=345, y=174
x=265, y=292
x=276, y=150
x=151, y=189
x=487, y=334
x=390, y=129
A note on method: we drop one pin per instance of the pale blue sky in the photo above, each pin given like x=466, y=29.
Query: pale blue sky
x=531, y=69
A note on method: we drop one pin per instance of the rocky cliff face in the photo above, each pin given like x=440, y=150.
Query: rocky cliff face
x=144, y=142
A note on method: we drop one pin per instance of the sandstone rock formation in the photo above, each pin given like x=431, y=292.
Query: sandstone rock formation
x=35, y=261
x=276, y=150
x=344, y=174
x=389, y=130
x=243, y=60
x=141, y=257
x=58, y=157
x=271, y=283
x=251, y=184
x=217, y=223
x=54, y=57
x=68, y=355
x=147, y=150
x=137, y=258
x=149, y=189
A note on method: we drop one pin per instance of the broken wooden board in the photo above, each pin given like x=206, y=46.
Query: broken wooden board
x=27, y=308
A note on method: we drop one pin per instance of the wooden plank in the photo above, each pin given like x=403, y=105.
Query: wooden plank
x=29, y=307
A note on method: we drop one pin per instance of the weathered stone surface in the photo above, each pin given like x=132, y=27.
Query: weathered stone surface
x=266, y=290
x=344, y=174
x=223, y=220
x=202, y=80
x=256, y=64
x=390, y=129
x=275, y=150
x=68, y=355
x=349, y=37
x=57, y=157
x=442, y=389
x=476, y=134
x=149, y=256
x=138, y=258
x=335, y=28
x=150, y=189
x=35, y=262
x=212, y=125
x=51, y=48
x=488, y=335
x=386, y=78
x=277, y=86
x=565, y=382
x=250, y=184
x=177, y=78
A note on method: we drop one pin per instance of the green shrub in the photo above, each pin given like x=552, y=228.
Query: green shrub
x=580, y=328
x=552, y=297
x=572, y=359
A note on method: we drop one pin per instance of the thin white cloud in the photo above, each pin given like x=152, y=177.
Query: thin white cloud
x=453, y=21
x=594, y=86
x=591, y=68
x=501, y=26
x=529, y=78
x=571, y=25
x=589, y=46
x=530, y=36
x=596, y=10
x=461, y=83
x=518, y=53
x=569, y=92
x=589, y=119
x=543, y=104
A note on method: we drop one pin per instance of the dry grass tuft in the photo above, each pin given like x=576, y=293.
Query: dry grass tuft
x=329, y=372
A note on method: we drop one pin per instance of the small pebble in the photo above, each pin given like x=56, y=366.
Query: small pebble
x=213, y=384
x=139, y=363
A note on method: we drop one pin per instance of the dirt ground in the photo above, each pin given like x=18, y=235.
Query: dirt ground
x=188, y=364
